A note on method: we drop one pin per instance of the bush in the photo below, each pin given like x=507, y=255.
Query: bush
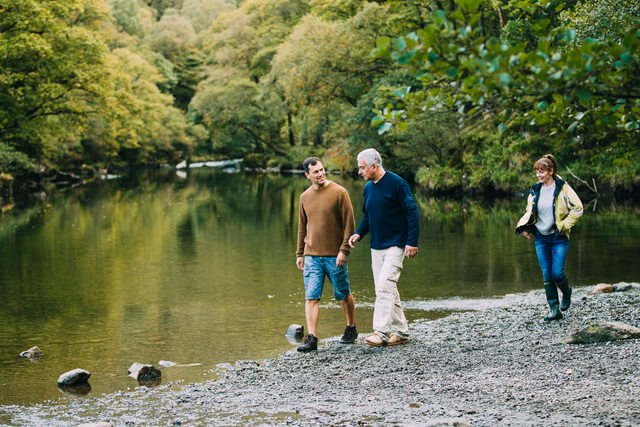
x=440, y=178
x=15, y=162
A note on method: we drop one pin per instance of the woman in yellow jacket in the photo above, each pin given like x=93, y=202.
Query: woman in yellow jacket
x=553, y=208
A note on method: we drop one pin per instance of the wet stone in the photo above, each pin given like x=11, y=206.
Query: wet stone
x=144, y=373
x=74, y=377
x=33, y=353
x=295, y=331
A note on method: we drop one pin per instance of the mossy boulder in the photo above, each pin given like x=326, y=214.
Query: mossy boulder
x=603, y=332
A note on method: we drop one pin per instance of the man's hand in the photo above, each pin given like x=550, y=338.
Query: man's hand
x=341, y=259
x=300, y=262
x=410, y=251
x=527, y=235
x=353, y=239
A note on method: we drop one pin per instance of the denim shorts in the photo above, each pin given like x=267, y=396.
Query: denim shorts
x=315, y=269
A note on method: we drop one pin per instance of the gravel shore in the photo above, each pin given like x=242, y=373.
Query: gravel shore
x=497, y=363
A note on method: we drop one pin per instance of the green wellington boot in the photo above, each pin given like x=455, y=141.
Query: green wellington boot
x=566, y=294
x=552, y=299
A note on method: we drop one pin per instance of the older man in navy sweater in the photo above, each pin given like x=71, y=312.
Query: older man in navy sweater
x=391, y=216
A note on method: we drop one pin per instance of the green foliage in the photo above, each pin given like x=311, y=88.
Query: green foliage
x=172, y=35
x=161, y=6
x=188, y=68
x=149, y=130
x=202, y=13
x=168, y=72
x=336, y=10
x=465, y=92
x=236, y=119
x=14, y=162
x=498, y=162
x=53, y=64
x=322, y=71
x=237, y=37
x=440, y=178
x=601, y=19
x=125, y=13
x=584, y=97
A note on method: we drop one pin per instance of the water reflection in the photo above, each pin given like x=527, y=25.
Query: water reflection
x=75, y=391
x=201, y=269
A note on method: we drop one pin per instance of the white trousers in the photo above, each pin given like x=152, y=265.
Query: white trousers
x=388, y=317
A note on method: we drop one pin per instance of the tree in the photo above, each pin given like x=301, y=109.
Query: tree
x=202, y=13
x=172, y=35
x=125, y=13
x=145, y=127
x=256, y=28
x=586, y=97
x=53, y=69
x=237, y=120
x=324, y=68
x=160, y=6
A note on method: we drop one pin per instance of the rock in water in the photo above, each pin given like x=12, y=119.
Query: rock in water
x=77, y=376
x=33, y=353
x=602, y=332
x=146, y=373
x=295, y=331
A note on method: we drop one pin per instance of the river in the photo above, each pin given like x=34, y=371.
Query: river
x=198, y=268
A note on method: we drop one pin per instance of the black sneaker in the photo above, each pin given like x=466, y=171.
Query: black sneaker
x=310, y=344
x=350, y=335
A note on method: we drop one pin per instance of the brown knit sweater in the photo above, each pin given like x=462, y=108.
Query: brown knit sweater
x=325, y=221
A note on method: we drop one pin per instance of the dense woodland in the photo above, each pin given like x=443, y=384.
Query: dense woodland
x=458, y=94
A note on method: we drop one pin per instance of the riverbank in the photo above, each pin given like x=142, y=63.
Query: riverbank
x=498, y=363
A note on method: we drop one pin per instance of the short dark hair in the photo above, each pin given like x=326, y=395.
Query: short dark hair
x=310, y=161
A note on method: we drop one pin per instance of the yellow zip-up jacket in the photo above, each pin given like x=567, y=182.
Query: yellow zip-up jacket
x=566, y=206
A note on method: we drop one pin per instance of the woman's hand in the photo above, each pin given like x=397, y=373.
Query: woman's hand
x=527, y=235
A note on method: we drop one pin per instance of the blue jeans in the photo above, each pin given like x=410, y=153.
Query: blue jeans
x=552, y=254
x=315, y=268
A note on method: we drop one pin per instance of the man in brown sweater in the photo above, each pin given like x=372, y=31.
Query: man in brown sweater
x=325, y=223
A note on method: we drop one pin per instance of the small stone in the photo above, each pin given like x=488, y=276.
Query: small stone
x=146, y=373
x=33, y=352
x=76, y=376
x=295, y=331
x=602, y=288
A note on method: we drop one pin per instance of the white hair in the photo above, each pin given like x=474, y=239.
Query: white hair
x=370, y=156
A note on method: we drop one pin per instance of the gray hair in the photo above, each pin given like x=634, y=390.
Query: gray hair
x=370, y=156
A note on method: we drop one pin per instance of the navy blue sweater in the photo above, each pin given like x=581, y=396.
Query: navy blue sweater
x=390, y=213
